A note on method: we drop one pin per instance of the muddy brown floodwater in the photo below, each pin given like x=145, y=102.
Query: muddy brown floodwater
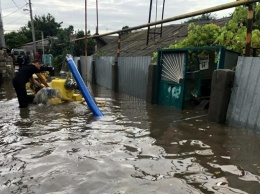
x=136, y=148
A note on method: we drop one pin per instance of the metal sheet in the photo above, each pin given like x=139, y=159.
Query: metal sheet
x=244, y=106
x=86, y=68
x=103, y=70
x=133, y=75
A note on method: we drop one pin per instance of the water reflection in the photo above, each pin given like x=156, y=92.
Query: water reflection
x=134, y=148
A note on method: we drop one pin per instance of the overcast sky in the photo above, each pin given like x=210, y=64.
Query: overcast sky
x=112, y=14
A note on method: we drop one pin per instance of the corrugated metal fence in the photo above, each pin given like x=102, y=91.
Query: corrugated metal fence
x=132, y=74
x=132, y=79
x=244, y=106
x=103, y=71
x=84, y=69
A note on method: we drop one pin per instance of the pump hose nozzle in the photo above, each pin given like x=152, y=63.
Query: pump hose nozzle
x=70, y=84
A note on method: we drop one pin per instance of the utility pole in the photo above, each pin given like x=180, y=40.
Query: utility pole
x=2, y=37
x=149, y=21
x=33, y=32
x=162, y=17
x=86, y=41
x=97, y=16
x=42, y=43
x=250, y=15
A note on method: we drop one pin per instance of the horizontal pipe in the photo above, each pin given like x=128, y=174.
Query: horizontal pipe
x=183, y=16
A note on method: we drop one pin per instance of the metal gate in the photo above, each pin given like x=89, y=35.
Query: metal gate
x=171, y=77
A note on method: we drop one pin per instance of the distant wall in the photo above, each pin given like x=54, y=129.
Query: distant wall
x=244, y=106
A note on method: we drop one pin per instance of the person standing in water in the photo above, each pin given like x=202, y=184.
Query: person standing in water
x=24, y=75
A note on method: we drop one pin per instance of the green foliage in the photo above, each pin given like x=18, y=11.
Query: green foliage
x=257, y=17
x=199, y=36
x=91, y=46
x=15, y=40
x=203, y=17
x=232, y=35
x=126, y=32
x=79, y=46
x=58, y=61
x=46, y=24
x=99, y=54
x=256, y=40
x=61, y=46
x=240, y=15
x=59, y=38
x=61, y=43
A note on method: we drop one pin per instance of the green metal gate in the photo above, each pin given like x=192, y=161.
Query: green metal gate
x=184, y=75
x=171, y=79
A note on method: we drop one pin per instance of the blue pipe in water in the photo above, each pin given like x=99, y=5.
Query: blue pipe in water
x=83, y=88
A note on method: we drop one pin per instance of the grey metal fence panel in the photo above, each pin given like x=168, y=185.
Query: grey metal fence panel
x=83, y=67
x=244, y=106
x=76, y=59
x=103, y=69
x=89, y=68
x=86, y=69
x=133, y=75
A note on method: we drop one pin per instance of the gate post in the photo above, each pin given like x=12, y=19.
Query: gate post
x=151, y=84
x=222, y=82
x=115, y=76
x=93, y=72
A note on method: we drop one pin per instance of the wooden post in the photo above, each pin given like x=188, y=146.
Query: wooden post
x=250, y=16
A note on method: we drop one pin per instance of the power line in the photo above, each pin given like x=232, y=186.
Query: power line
x=15, y=20
x=15, y=4
x=14, y=11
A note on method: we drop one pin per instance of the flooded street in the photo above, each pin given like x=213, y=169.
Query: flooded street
x=136, y=148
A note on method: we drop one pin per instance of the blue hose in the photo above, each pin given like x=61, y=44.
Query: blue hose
x=83, y=88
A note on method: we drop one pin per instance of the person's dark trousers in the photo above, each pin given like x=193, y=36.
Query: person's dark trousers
x=21, y=93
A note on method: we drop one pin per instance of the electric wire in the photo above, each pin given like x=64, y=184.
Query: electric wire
x=14, y=11
x=14, y=21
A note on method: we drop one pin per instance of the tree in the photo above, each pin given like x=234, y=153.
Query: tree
x=79, y=45
x=60, y=45
x=91, y=46
x=125, y=32
x=232, y=35
x=60, y=38
x=46, y=24
x=199, y=36
x=203, y=17
x=15, y=39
